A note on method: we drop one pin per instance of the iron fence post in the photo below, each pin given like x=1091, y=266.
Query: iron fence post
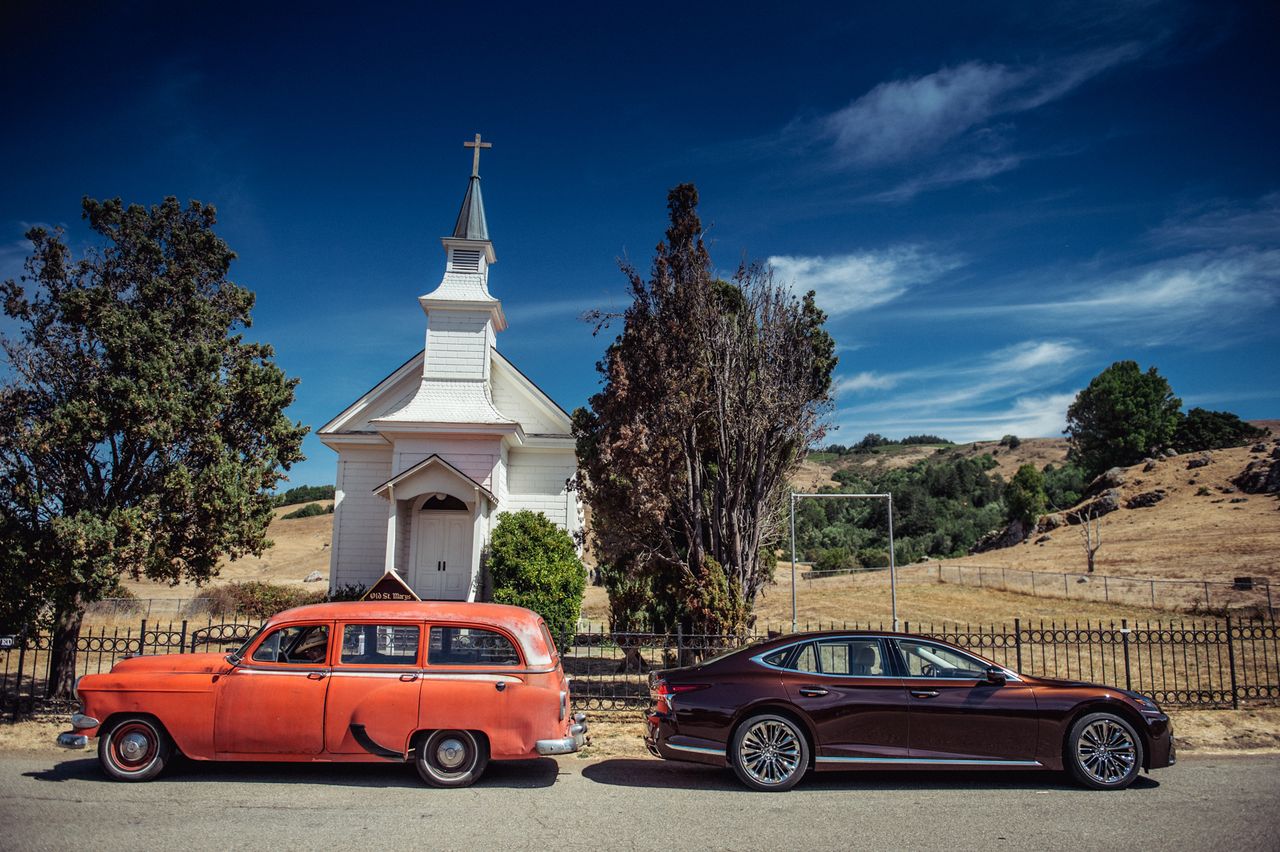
x=17, y=691
x=1231, y=661
x=142, y=638
x=183, y=642
x=1017, y=640
x=1124, y=634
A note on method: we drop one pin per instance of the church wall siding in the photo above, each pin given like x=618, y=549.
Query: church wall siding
x=537, y=482
x=360, y=519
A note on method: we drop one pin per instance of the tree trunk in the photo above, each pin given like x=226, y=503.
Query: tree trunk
x=1090, y=561
x=62, y=663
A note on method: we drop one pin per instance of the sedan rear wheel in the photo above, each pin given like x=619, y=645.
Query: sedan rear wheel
x=769, y=753
x=452, y=758
x=135, y=749
x=1104, y=752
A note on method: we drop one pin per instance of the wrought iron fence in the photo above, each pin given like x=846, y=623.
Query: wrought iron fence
x=1178, y=662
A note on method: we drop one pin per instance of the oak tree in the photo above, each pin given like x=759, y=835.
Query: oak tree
x=140, y=434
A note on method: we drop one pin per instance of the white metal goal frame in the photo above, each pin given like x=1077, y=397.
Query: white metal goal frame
x=893, y=573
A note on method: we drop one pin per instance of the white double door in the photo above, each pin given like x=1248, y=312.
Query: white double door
x=442, y=569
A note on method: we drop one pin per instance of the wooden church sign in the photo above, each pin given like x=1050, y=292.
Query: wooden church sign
x=390, y=588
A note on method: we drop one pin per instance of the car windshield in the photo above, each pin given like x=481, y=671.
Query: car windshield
x=244, y=649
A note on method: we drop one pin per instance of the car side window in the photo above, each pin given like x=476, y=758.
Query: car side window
x=301, y=644
x=851, y=657
x=806, y=660
x=380, y=644
x=924, y=659
x=470, y=646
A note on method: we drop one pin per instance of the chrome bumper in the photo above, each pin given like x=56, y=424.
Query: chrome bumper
x=70, y=740
x=575, y=741
x=79, y=720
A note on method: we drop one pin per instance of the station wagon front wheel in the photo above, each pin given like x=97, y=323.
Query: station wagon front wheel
x=136, y=748
x=452, y=758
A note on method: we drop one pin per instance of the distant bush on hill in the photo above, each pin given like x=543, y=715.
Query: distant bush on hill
x=304, y=494
x=310, y=510
x=1214, y=430
x=872, y=441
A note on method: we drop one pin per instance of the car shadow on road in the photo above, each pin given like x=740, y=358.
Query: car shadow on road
x=691, y=776
x=513, y=774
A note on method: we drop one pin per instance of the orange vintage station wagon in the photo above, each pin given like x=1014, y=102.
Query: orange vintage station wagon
x=448, y=686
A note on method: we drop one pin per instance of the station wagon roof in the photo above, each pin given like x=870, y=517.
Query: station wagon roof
x=500, y=615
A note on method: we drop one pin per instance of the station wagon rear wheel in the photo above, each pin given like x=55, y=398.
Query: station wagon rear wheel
x=134, y=749
x=452, y=758
x=769, y=753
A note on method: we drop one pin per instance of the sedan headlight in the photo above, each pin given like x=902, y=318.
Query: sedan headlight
x=1144, y=702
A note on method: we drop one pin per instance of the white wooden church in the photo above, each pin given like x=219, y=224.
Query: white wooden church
x=430, y=456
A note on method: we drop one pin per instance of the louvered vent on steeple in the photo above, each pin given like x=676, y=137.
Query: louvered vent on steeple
x=464, y=260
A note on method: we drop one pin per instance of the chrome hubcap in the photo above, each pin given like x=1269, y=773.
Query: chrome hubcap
x=1106, y=751
x=133, y=747
x=770, y=752
x=451, y=753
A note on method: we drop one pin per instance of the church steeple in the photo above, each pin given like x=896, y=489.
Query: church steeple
x=471, y=224
x=470, y=238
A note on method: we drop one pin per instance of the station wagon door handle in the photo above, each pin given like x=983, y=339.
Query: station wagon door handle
x=408, y=678
x=812, y=691
x=924, y=693
x=315, y=675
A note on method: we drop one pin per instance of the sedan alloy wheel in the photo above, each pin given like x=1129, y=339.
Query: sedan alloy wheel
x=770, y=753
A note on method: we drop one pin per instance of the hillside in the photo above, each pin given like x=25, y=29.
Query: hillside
x=1203, y=529
x=818, y=469
x=301, y=546
x=1187, y=535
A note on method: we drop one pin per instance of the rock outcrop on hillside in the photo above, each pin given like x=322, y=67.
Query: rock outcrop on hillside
x=1261, y=476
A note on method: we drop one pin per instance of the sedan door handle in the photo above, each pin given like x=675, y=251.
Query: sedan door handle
x=924, y=693
x=812, y=691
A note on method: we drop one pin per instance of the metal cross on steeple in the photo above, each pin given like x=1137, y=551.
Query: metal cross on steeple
x=475, y=159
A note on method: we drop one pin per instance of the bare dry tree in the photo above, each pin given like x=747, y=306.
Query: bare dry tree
x=1090, y=535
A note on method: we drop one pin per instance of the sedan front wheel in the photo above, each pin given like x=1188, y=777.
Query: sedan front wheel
x=769, y=753
x=1104, y=752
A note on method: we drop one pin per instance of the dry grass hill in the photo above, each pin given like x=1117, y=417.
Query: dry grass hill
x=1202, y=529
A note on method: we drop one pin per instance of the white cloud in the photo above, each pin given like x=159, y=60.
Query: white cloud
x=1154, y=303
x=901, y=120
x=1010, y=390
x=959, y=171
x=858, y=282
x=865, y=381
x=1224, y=224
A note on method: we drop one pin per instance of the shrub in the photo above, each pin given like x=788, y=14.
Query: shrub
x=1024, y=497
x=835, y=559
x=1063, y=486
x=308, y=511
x=256, y=599
x=533, y=563
x=1011, y=441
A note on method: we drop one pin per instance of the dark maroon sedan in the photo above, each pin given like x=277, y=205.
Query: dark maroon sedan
x=895, y=701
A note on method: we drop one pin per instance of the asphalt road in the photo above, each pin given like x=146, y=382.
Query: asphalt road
x=1202, y=803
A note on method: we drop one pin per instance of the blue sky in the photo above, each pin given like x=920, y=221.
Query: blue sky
x=993, y=201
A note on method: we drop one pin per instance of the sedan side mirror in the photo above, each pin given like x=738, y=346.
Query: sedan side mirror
x=996, y=675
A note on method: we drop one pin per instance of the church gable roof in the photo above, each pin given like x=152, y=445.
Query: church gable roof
x=517, y=397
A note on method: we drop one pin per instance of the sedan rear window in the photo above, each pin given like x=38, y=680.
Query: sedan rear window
x=470, y=646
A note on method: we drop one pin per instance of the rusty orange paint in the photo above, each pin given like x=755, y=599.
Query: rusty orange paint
x=251, y=706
